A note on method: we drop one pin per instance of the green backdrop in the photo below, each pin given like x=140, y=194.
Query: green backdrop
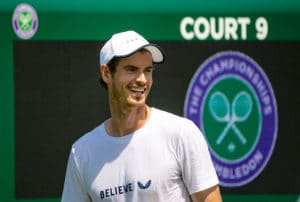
x=88, y=20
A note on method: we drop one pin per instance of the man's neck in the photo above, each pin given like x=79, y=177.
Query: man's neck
x=127, y=120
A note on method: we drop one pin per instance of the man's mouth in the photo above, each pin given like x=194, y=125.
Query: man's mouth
x=137, y=90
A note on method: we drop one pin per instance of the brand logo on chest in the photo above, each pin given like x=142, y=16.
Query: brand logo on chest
x=123, y=189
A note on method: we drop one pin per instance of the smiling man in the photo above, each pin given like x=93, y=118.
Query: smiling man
x=140, y=153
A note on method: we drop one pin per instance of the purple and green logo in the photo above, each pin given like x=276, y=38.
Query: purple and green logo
x=231, y=100
x=25, y=21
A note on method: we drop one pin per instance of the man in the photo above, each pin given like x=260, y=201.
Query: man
x=141, y=153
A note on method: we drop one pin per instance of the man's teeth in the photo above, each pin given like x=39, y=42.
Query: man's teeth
x=139, y=90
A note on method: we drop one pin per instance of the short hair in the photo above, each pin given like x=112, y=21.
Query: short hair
x=112, y=65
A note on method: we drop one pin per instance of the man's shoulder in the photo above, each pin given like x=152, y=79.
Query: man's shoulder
x=89, y=137
x=169, y=116
x=170, y=120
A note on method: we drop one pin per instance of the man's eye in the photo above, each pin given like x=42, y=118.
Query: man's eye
x=149, y=70
x=131, y=69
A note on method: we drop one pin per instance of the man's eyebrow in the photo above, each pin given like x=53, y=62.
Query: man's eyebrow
x=137, y=67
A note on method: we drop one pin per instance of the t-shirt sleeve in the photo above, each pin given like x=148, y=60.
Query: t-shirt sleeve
x=197, y=168
x=74, y=189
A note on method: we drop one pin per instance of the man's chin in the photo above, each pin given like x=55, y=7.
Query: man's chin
x=136, y=102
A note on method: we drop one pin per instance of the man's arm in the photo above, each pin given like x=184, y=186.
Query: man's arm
x=211, y=194
x=73, y=190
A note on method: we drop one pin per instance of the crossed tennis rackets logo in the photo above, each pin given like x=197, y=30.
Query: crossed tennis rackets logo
x=238, y=111
x=224, y=100
x=25, y=21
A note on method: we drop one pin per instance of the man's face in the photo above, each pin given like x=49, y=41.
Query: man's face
x=131, y=82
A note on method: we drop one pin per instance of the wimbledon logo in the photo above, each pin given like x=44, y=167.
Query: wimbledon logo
x=25, y=21
x=231, y=100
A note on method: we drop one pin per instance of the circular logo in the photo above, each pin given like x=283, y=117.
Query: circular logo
x=231, y=100
x=25, y=21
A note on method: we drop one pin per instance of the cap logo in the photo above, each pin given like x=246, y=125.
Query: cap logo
x=132, y=40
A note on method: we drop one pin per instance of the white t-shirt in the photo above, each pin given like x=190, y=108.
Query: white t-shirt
x=165, y=160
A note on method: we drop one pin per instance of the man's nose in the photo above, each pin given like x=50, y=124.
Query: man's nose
x=141, y=78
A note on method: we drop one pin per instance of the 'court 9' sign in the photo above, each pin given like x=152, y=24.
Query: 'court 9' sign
x=222, y=28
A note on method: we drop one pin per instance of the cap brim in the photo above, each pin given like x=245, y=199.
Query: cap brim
x=157, y=53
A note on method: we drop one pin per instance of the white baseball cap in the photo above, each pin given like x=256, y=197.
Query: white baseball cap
x=125, y=44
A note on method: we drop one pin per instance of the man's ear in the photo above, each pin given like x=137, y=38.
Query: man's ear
x=105, y=73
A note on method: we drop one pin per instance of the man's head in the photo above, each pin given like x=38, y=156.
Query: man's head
x=125, y=44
